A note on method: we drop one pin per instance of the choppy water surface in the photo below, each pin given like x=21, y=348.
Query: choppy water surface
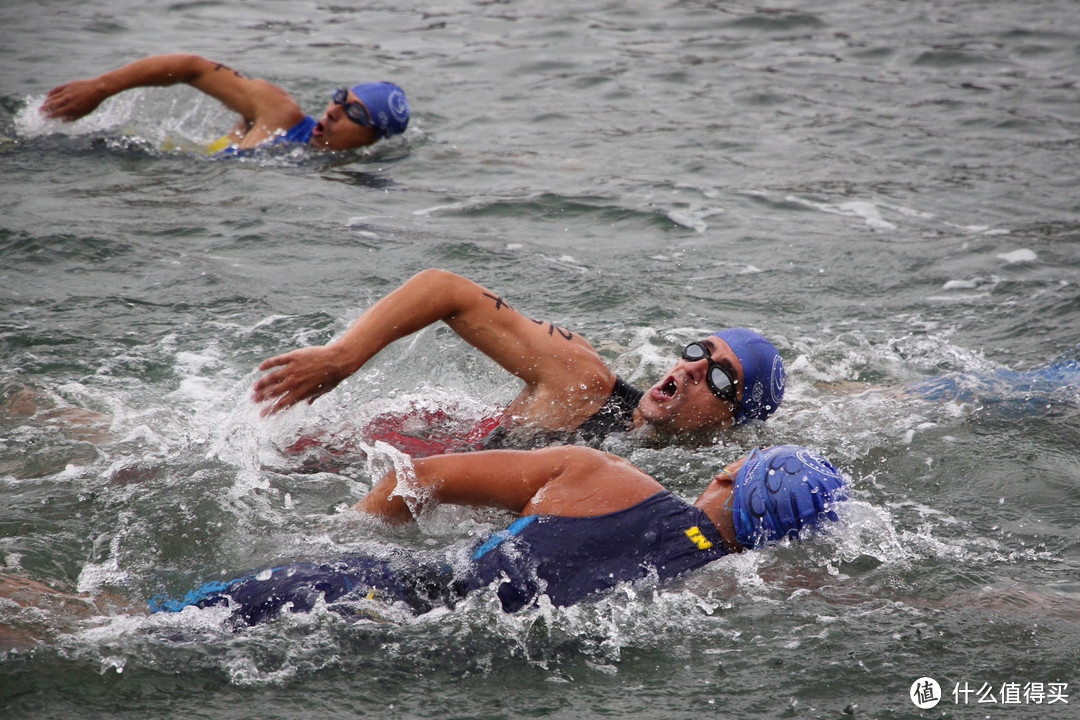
x=887, y=190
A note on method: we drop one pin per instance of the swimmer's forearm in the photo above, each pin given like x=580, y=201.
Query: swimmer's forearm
x=156, y=70
x=428, y=297
x=78, y=98
x=382, y=503
x=424, y=299
x=505, y=479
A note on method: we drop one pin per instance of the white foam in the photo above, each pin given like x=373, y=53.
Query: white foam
x=566, y=261
x=962, y=284
x=958, y=298
x=143, y=435
x=978, y=229
x=196, y=388
x=1018, y=256
x=267, y=321
x=29, y=122
x=94, y=576
x=449, y=207
x=863, y=209
x=117, y=111
x=247, y=482
x=693, y=218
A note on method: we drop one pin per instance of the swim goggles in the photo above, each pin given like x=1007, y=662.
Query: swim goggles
x=720, y=380
x=353, y=110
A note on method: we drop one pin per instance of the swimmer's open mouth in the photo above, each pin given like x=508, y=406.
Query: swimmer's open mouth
x=669, y=388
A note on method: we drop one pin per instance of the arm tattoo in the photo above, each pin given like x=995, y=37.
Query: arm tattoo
x=499, y=302
x=223, y=66
x=553, y=328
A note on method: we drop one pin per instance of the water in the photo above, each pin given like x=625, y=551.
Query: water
x=887, y=190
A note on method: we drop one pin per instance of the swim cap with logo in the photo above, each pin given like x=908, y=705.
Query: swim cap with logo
x=763, y=373
x=387, y=106
x=780, y=491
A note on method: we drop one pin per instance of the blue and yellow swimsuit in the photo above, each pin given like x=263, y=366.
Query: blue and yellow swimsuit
x=298, y=133
x=568, y=559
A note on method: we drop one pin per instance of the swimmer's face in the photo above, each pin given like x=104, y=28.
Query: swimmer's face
x=682, y=401
x=716, y=501
x=335, y=131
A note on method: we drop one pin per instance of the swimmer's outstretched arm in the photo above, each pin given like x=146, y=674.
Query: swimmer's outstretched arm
x=569, y=480
x=258, y=101
x=548, y=358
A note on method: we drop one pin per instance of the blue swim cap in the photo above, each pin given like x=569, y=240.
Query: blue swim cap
x=779, y=490
x=387, y=105
x=763, y=373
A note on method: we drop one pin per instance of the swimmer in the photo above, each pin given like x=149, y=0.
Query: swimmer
x=587, y=521
x=1050, y=389
x=1047, y=389
x=356, y=116
x=731, y=377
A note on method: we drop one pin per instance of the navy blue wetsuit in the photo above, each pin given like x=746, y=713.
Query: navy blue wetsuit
x=568, y=559
x=615, y=415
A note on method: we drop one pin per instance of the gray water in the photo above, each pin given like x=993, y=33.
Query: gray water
x=888, y=190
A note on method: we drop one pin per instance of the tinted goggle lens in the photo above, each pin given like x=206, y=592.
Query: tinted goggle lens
x=695, y=351
x=719, y=380
x=353, y=110
x=721, y=383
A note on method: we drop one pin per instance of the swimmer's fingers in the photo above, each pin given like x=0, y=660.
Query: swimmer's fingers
x=291, y=398
x=276, y=383
x=277, y=386
x=273, y=362
x=282, y=392
x=52, y=106
x=72, y=100
x=304, y=374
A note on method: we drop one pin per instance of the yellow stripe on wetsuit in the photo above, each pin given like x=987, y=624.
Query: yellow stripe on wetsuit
x=694, y=533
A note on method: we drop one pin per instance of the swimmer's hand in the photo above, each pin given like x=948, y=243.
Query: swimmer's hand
x=304, y=374
x=73, y=100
